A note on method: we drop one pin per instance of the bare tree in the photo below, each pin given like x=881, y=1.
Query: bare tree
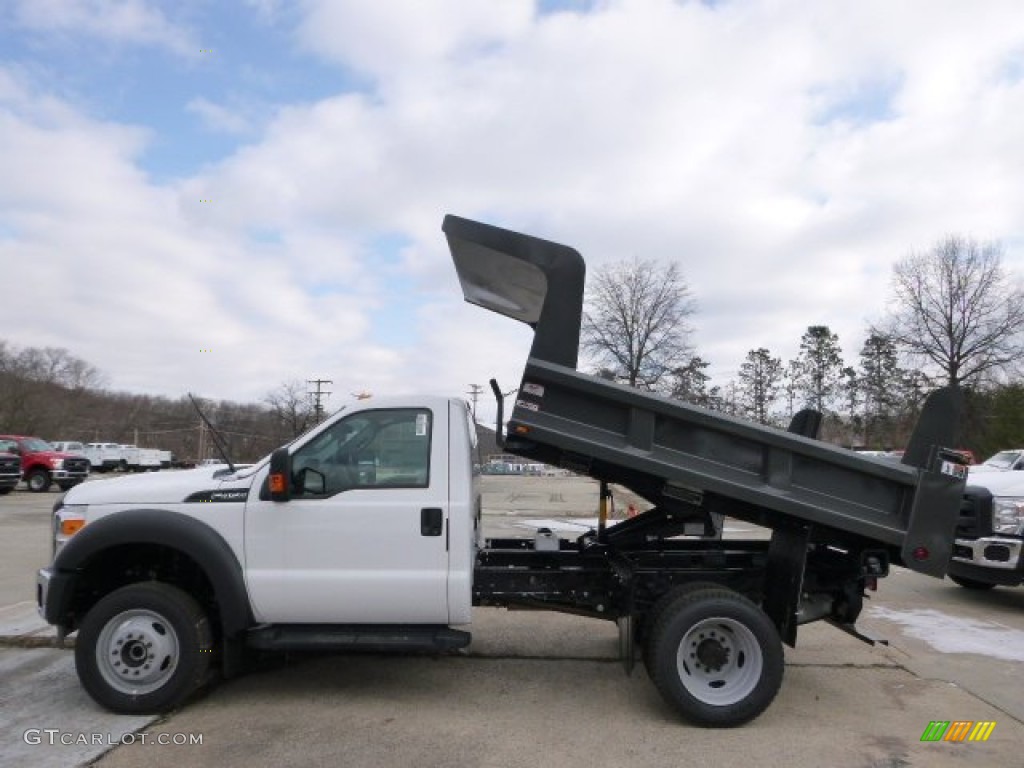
x=955, y=309
x=291, y=406
x=636, y=324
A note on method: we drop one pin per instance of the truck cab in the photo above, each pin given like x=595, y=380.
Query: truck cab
x=371, y=535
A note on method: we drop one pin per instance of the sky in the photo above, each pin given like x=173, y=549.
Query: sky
x=220, y=196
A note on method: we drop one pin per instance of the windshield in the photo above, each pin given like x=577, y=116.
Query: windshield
x=1003, y=459
x=35, y=444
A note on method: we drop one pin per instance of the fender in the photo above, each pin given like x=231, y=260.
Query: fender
x=154, y=526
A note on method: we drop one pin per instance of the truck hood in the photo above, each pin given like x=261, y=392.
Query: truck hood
x=157, y=487
x=55, y=455
x=1000, y=482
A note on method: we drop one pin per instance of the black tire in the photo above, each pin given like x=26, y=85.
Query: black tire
x=716, y=657
x=971, y=583
x=38, y=481
x=5, y=491
x=152, y=634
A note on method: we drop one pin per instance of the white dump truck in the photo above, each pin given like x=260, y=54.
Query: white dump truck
x=365, y=533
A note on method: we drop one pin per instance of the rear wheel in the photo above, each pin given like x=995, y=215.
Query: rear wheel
x=38, y=481
x=716, y=657
x=143, y=649
x=971, y=583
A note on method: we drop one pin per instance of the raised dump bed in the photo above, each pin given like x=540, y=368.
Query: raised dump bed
x=693, y=463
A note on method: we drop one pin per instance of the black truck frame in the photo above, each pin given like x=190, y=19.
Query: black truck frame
x=706, y=614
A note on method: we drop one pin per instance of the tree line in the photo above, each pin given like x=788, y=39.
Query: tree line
x=955, y=317
x=50, y=393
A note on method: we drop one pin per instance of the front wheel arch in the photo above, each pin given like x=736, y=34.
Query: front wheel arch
x=90, y=563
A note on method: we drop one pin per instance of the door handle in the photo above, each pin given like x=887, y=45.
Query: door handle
x=431, y=521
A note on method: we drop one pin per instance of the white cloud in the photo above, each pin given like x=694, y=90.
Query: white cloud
x=123, y=21
x=726, y=138
x=219, y=118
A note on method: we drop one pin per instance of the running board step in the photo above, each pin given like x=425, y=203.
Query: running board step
x=361, y=637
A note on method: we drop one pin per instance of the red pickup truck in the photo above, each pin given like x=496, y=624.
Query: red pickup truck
x=42, y=466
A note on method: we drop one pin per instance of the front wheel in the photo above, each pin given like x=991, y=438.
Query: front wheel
x=143, y=649
x=38, y=481
x=716, y=657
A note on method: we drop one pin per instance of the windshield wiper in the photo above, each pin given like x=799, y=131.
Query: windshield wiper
x=218, y=441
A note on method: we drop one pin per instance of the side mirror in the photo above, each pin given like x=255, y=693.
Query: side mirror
x=279, y=480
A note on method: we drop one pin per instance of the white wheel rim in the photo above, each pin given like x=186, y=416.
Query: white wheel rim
x=719, y=661
x=137, y=652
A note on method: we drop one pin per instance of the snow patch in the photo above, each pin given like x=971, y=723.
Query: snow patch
x=952, y=634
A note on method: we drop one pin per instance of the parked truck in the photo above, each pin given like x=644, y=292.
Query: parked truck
x=10, y=467
x=103, y=457
x=989, y=547
x=135, y=459
x=163, y=576
x=42, y=466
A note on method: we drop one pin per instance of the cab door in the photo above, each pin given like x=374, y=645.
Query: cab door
x=364, y=537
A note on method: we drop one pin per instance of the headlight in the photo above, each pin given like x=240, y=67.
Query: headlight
x=1008, y=515
x=67, y=521
x=56, y=463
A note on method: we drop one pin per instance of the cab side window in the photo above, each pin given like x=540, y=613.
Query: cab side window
x=387, y=448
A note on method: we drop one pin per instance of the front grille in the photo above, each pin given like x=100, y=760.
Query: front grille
x=975, y=514
x=10, y=466
x=76, y=465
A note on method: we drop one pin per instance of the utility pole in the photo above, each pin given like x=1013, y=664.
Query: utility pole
x=475, y=390
x=201, y=443
x=318, y=410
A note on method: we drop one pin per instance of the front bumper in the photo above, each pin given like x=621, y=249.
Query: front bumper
x=990, y=552
x=52, y=591
x=63, y=474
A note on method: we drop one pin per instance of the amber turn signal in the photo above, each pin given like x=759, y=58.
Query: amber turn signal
x=71, y=526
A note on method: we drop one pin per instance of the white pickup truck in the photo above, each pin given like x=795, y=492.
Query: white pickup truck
x=365, y=533
x=989, y=547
